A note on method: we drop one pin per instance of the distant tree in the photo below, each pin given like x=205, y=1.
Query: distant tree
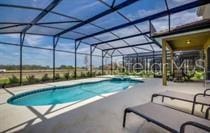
x=65, y=67
x=62, y=67
x=32, y=67
x=25, y=67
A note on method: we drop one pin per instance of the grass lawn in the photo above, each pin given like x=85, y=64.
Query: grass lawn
x=4, y=80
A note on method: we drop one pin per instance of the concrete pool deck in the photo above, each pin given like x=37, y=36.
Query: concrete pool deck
x=100, y=114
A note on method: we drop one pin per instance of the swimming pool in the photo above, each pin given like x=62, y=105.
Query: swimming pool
x=72, y=93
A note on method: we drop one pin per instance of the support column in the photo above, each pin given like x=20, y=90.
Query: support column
x=123, y=63
x=53, y=63
x=137, y=61
x=102, y=66
x=171, y=57
x=206, y=60
x=153, y=62
x=208, y=63
x=169, y=16
x=21, y=64
x=91, y=63
x=111, y=65
x=169, y=22
x=172, y=61
x=55, y=42
x=92, y=49
x=76, y=46
x=22, y=37
x=112, y=61
x=146, y=64
x=164, y=69
x=75, y=61
x=103, y=55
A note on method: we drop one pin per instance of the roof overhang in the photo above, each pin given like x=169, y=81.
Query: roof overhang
x=196, y=34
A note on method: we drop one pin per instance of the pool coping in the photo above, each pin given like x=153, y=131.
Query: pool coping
x=42, y=89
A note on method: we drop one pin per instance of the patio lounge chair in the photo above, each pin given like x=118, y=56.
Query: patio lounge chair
x=199, y=98
x=170, y=119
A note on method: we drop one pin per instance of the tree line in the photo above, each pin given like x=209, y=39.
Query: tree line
x=33, y=67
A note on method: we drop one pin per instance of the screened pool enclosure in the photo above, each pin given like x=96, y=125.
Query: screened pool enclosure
x=76, y=36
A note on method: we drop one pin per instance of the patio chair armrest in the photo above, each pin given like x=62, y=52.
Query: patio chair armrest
x=154, y=95
x=207, y=113
x=198, y=94
x=205, y=92
x=195, y=124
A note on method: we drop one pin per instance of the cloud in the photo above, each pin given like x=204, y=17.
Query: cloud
x=142, y=13
x=10, y=38
x=84, y=6
x=126, y=31
x=88, y=5
x=97, y=52
x=85, y=49
x=180, y=1
x=136, y=40
x=177, y=19
x=65, y=46
x=106, y=36
x=33, y=40
x=118, y=43
x=185, y=17
x=13, y=36
x=64, y=55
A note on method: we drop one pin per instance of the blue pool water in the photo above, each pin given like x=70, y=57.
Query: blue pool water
x=73, y=93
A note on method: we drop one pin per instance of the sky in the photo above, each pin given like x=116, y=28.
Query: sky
x=83, y=10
